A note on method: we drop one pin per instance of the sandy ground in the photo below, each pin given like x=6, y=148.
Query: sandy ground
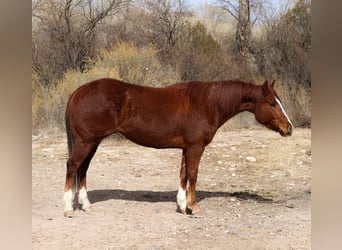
x=254, y=188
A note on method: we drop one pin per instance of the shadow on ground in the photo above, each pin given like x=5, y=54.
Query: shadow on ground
x=165, y=196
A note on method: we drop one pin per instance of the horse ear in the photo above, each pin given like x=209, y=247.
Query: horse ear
x=272, y=84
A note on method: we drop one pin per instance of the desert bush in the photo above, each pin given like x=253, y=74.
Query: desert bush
x=198, y=55
x=297, y=102
x=283, y=48
x=136, y=65
x=38, y=100
x=123, y=61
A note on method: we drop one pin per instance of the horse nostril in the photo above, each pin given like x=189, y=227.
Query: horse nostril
x=290, y=130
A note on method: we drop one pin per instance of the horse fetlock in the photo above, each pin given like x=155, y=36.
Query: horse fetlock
x=67, y=200
x=86, y=205
x=83, y=198
x=68, y=208
x=181, y=199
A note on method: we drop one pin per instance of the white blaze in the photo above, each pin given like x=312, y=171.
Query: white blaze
x=283, y=110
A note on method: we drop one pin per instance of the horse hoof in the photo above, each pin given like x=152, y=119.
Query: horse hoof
x=195, y=212
x=182, y=211
x=69, y=214
x=194, y=209
x=87, y=209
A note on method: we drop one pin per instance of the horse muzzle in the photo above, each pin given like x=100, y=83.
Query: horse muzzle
x=287, y=132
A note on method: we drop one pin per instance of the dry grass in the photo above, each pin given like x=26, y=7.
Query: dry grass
x=38, y=95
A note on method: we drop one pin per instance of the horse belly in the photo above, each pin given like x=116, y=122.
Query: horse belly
x=154, y=134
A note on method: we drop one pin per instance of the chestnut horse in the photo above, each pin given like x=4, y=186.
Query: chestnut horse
x=184, y=115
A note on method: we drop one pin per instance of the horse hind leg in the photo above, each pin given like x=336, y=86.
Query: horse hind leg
x=82, y=153
x=82, y=176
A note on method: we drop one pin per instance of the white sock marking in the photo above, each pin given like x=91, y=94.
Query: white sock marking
x=67, y=200
x=283, y=110
x=181, y=198
x=83, y=198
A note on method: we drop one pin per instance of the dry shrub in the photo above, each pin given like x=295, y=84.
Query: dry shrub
x=137, y=65
x=296, y=100
x=123, y=61
x=38, y=102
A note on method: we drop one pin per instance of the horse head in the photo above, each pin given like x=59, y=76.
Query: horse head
x=270, y=112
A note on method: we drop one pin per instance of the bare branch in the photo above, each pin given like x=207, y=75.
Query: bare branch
x=232, y=9
x=69, y=27
x=96, y=15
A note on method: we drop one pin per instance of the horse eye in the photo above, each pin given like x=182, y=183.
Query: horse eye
x=272, y=105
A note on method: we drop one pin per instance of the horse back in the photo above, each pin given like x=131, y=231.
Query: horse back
x=155, y=117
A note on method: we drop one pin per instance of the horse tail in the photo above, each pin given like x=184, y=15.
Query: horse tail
x=70, y=140
x=68, y=131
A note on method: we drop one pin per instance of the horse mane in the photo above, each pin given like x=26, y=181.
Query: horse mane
x=224, y=96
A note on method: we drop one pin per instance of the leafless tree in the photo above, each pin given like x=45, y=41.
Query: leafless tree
x=241, y=10
x=64, y=32
x=165, y=21
x=285, y=47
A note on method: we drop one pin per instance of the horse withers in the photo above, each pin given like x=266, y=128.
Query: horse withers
x=184, y=115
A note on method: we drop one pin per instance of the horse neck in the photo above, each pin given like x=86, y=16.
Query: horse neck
x=250, y=95
x=234, y=98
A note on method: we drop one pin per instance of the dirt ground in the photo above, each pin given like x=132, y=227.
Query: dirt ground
x=254, y=188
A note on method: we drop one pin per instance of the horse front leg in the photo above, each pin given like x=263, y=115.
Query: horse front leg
x=181, y=195
x=192, y=159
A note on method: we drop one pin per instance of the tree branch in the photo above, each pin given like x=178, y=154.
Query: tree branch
x=232, y=9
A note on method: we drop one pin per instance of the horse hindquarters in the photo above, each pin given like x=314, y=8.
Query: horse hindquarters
x=89, y=119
